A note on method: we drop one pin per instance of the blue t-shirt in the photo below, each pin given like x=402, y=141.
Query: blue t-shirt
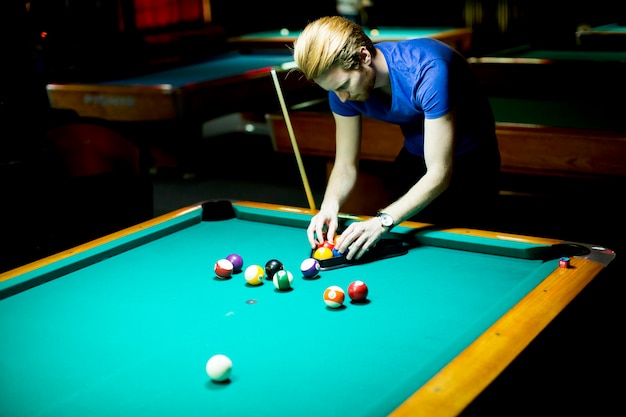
x=428, y=78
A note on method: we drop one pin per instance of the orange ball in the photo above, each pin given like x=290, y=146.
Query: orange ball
x=334, y=296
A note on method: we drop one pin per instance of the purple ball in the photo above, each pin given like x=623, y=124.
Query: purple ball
x=236, y=260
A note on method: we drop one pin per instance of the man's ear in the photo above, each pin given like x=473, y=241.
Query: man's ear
x=366, y=56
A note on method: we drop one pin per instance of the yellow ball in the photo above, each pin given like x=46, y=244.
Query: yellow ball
x=322, y=253
x=284, y=31
x=254, y=274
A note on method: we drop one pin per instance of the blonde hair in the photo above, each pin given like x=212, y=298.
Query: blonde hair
x=328, y=42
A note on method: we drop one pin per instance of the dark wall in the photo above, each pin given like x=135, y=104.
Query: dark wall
x=538, y=16
x=420, y=13
x=84, y=32
x=22, y=88
x=252, y=16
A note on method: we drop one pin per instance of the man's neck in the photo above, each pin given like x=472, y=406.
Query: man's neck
x=382, y=72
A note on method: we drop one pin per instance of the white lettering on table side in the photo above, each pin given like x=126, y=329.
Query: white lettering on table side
x=104, y=100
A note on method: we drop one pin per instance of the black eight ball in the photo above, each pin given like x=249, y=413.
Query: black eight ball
x=271, y=267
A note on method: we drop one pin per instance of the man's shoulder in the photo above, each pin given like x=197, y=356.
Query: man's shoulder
x=416, y=50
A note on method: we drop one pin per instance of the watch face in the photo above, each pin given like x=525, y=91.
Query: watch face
x=385, y=220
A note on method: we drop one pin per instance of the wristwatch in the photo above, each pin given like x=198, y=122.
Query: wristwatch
x=386, y=220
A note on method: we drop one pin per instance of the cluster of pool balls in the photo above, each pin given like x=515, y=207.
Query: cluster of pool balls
x=256, y=274
x=219, y=366
x=274, y=270
x=326, y=250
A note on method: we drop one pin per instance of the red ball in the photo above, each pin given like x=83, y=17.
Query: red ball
x=327, y=244
x=223, y=268
x=357, y=291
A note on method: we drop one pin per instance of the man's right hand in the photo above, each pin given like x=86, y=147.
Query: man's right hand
x=323, y=227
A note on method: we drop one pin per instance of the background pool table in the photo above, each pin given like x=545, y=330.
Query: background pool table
x=125, y=324
x=459, y=38
x=574, y=75
x=164, y=112
x=560, y=105
x=221, y=84
x=606, y=37
x=527, y=53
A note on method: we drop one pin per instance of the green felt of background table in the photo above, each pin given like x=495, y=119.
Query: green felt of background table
x=126, y=329
x=219, y=67
x=611, y=27
x=571, y=88
x=558, y=113
x=381, y=33
x=457, y=37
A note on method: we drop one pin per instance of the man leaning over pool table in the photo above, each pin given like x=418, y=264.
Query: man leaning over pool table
x=448, y=168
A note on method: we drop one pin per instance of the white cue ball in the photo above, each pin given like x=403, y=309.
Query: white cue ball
x=284, y=31
x=219, y=367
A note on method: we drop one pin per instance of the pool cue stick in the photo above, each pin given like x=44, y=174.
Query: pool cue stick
x=294, y=144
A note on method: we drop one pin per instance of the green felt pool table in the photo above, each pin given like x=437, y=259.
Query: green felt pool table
x=459, y=38
x=124, y=325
